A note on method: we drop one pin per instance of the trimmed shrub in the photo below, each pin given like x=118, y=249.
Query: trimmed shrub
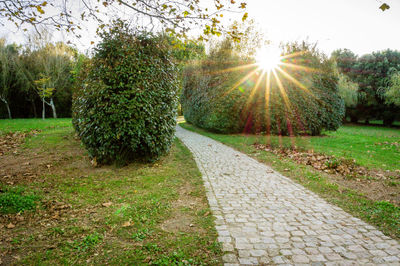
x=224, y=101
x=126, y=108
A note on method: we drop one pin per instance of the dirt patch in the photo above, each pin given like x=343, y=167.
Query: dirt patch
x=373, y=183
x=11, y=141
x=183, y=217
x=25, y=166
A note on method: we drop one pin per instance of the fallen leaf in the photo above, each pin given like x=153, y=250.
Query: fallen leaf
x=10, y=226
x=107, y=204
x=126, y=224
x=56, y=215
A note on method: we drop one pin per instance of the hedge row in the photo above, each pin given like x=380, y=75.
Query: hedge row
x=213, y=98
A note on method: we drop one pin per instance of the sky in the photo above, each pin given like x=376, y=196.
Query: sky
x=358, y=25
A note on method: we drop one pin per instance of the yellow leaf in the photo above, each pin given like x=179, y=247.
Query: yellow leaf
x=384, y=7
x=245, y=16
x=39, y=9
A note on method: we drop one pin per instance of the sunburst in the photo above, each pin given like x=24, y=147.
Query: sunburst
x=271, y=65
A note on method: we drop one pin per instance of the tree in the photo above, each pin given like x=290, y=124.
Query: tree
x=228, y=93
x=44, y=91
x=348, y=90
x=372, y=72
x=345, y=60
x=174, y=16
x=392, y=95
x=9, y=70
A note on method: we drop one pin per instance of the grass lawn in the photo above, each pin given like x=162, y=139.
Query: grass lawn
x=25, y=125
x=348, y=141
x=73, y=213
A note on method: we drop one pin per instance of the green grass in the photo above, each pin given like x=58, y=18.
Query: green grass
x=130, y=229
x=14, y=200
x=369, y=146
x=384, y=215
x=373, y=147
x=379, y=122
x=25, y=125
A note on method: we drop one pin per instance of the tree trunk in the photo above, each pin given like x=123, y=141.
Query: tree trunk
x=53, y=107
x=8, y=107
x=34, y=108
x=9, y=111
x=43, y=110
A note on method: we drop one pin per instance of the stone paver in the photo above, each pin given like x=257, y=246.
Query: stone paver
x=264, y=217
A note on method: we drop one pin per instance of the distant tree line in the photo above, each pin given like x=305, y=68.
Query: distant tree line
x=370, y=85
x=36, y=80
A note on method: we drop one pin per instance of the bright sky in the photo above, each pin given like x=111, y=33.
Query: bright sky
x=355, y=24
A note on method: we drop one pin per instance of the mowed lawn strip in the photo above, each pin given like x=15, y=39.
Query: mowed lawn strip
x=28, y=124
x=385, y=216
x=143, y=213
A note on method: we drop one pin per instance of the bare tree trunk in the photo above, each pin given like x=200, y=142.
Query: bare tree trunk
x=43, y=109
x=34, y=108
x=9, y=111
x=8, y=107
x=53, y=107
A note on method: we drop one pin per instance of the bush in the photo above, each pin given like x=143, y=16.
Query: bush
x=226, y=102
x=126, y=108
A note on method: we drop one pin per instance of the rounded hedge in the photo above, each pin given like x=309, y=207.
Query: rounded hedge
x=216, y=100
x=126, y=107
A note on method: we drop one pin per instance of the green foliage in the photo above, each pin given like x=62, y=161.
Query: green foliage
x=126, y=107
x=237, y=101
x=332, y=163
x=21, y=66
x=392, y=95
x=174, y=258
x=373, y=73
x=348, y=90
x=89, y=242
x=141, y=234
x=14, y=201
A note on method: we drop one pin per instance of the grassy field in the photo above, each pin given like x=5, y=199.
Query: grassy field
x=348, y=141
x=56, y=208
x=25, y=125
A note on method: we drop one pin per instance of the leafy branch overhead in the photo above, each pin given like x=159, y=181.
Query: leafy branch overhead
x=175, y=16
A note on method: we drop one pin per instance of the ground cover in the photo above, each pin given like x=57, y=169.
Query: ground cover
x=375, y=200
x=56, y=208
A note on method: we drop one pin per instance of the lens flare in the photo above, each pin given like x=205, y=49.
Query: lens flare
x=269, y=58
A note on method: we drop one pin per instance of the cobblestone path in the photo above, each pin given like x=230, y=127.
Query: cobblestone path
x=265, y=218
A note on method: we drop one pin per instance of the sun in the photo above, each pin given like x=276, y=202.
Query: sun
x=268, y=58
